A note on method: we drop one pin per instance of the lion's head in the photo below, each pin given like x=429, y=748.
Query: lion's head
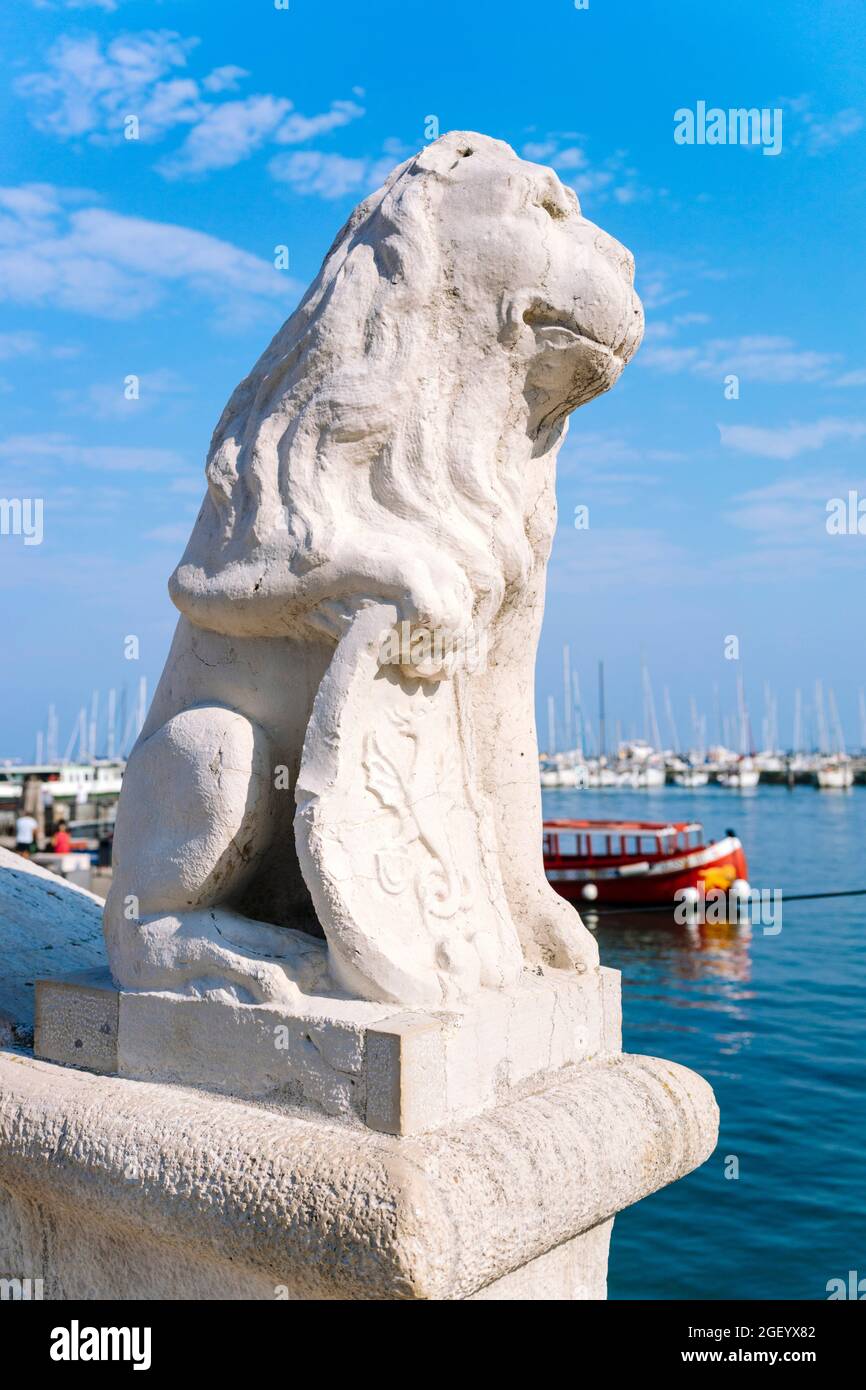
x=380, y=446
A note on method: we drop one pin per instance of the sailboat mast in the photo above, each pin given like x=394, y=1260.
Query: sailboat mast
x=112, y=721
x=821, y=720
x=566, y=695
x=653, y=736
x=672, y=723
x=836, y=722
x=579, y=729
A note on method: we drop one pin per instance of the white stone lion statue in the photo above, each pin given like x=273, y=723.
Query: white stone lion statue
x=336, y=791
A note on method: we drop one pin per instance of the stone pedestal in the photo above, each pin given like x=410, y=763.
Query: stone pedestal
x=173, y=1151
x=123, y=1189
x=397, y=1071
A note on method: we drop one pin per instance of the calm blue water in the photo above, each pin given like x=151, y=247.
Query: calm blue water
x=777, y=1025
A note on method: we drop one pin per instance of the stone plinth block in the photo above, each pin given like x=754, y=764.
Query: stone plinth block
x=47, y=926
x=396, y=1072
x=118, y=1189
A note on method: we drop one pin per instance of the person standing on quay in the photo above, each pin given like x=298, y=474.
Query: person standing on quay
x=62, y=841
x=25, y=835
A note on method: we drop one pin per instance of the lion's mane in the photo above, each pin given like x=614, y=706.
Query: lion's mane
x=342, y=470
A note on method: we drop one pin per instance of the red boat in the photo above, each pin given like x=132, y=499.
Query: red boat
x=638, y=862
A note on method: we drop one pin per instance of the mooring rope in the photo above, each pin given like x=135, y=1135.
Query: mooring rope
x=588, y=907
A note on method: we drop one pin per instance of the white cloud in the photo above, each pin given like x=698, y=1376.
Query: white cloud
x=190, y=484
x=314, y=173
x=107, y=400
x=611, y=178
x=655, y=288
x=298, y=128
x=769, y=534
x=604, y=470
x=18, y=345
x=58, y=449
x=325, y=175
x=660, y=330
x=172, y=533
x=224, y=79
x=228, y=133
x=606, y=556
x=756, y=357
x=88, y=89
x=788, y=441
x=792, y=513
x=855, y=378
x=225, y=135
x=108, y=6
x=94, y=261
x=549, y=152
x=26, y=344
x=818, y=133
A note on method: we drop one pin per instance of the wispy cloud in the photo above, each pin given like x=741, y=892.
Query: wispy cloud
x=15, y=345
x=316, y=174
x=110, y=400
x=656, y=288
x=108, y=6
x=18, y=345
x=225, y=135
x=95, y=261
x=172, y=533
x=229, y=133
x=606, y=557
x=789, y=516
x=611, y=177
x=605, y=469
x=59, y=450
x=89, y=89
x=756, y=357
x=789, y=441
x=854, y=378
x=322, y=175
x=659, y=330
x=817, y=132
x=86, y=89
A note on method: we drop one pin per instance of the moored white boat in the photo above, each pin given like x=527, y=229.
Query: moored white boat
x=740, y=775
x=691, y=777
x=835, y=774
x=569, y=777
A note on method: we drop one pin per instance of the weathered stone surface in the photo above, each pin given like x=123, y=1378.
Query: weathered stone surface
x=330, y=827
x=77, y=1021
x=398, y=1073
x=129, y=1189
x=343, y=739
x=573, y=1271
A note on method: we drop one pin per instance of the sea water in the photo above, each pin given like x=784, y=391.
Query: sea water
x=776, y=1022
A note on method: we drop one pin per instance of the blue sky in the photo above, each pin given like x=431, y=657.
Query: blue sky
x=262, y=127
